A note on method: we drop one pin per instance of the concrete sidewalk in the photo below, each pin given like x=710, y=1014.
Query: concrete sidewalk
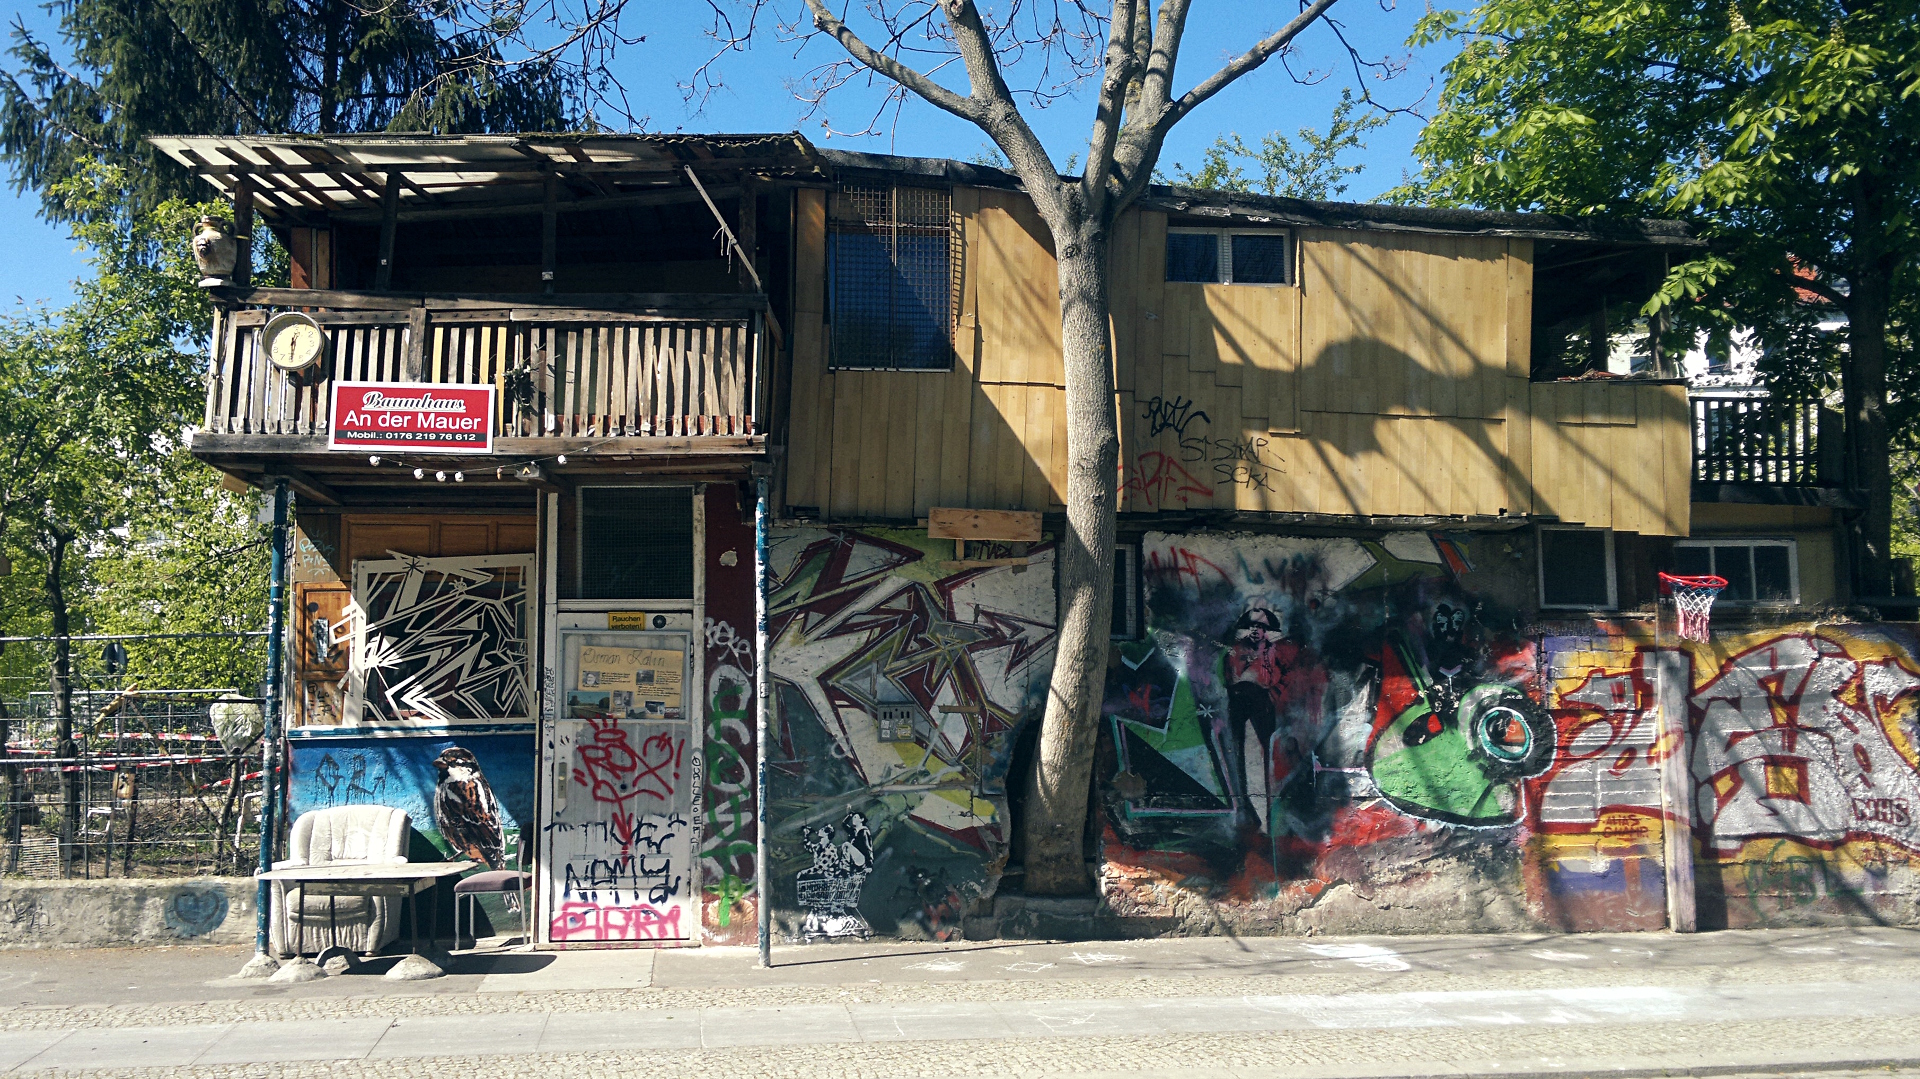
x=1639, y=1004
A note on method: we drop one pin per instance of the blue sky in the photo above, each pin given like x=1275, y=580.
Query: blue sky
x=758, y=97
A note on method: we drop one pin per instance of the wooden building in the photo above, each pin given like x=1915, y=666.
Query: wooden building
x=659, y=322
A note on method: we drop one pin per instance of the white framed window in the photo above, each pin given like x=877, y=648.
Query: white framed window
x=1576, y=568
x=1230, y=256
x=1126, y=593
x=1756, y=570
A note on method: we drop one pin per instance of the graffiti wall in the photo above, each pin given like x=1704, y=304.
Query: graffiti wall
x=730, y=831
x=1595, y=856
x=1806, y=776
x=902, y=679
x=1319, y=734
x=468, y=796
x=1354, y=734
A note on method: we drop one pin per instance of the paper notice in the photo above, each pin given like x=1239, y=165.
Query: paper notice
x=651, y=675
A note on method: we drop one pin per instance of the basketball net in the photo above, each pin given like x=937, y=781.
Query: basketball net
x=1692, y=601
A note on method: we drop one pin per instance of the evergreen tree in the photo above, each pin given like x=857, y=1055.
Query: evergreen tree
x=233, y=67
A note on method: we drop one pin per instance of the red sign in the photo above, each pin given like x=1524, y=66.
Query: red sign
x=434, y=417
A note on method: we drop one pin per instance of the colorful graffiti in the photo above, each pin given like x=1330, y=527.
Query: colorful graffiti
x=901, y=681
x=1304, y=713
x=1343, y=734
x=1806, y=775
x=729, y=840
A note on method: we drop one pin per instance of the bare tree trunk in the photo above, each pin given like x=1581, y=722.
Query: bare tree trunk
x=1866, y=384
x=59, y=538
x=1057, y=789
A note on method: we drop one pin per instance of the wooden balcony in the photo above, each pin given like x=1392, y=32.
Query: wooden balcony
x=1745, y=441
x=627, y=375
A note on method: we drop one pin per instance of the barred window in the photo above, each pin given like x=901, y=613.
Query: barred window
x=890, y=270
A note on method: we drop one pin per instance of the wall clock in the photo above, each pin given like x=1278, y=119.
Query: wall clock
x=293, y=341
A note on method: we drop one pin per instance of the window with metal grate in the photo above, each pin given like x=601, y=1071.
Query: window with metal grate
x=636, y=543
x=890, y=268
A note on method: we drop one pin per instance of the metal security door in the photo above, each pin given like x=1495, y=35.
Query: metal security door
x=622, y=813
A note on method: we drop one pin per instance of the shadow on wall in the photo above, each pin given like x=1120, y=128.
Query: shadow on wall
x=901, y=682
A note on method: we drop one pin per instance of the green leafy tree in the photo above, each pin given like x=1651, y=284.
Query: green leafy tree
x=96, y=487
x=1786, y=131
x=227, y=67
x=1313, y=169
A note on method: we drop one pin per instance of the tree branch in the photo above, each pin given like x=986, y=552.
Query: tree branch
x=1241, y=64
x=935, y=94
x=1108, y=113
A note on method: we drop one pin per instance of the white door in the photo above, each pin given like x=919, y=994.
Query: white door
x=622, y=819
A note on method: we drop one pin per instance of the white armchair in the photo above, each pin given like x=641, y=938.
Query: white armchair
x=365, y=924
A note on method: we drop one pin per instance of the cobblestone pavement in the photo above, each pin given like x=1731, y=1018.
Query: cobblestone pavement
x=1835, y=1002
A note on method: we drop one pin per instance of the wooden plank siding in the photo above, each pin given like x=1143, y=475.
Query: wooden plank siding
x=1391, y=379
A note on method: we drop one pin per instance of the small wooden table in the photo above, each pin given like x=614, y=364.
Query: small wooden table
x=402, y=880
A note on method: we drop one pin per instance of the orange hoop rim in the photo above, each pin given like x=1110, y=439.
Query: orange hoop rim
x=1671, y=581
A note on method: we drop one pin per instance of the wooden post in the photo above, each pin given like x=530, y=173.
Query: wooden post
x=243, y=230
x=549, y=231
x=749, y=203
x=416, y=342
x=389, y=221
x=1673, y=680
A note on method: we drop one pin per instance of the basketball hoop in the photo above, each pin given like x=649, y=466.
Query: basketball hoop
x=1692, y=600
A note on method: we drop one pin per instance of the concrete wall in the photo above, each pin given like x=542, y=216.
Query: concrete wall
x=113, y=913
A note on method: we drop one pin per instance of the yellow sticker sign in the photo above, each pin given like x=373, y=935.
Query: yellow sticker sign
x=627, y=619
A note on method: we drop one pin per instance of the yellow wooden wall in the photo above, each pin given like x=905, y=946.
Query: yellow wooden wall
x=1390, y=380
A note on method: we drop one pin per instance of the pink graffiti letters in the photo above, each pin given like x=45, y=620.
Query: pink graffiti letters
x=592, y=921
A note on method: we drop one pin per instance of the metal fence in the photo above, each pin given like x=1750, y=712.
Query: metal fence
x=145, y=789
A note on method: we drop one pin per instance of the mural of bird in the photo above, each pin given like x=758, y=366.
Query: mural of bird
x=465, y=809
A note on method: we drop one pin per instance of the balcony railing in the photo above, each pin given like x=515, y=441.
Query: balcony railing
x=1750, y=437
x=557, y=372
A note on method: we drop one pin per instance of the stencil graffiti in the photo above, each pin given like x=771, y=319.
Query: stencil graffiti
x=829, y=888
x=439, y=640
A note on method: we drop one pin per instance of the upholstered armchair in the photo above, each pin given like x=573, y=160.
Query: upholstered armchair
x=365, y=924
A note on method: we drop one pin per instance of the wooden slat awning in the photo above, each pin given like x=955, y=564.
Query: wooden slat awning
x=302, y=176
